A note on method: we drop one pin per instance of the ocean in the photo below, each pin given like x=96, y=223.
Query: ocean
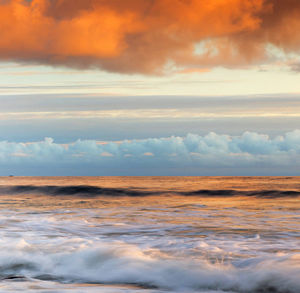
x=150, y=234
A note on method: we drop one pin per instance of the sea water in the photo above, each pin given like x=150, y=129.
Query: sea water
x=150, y=234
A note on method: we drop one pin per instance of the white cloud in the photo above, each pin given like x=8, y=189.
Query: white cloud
x=187, y=155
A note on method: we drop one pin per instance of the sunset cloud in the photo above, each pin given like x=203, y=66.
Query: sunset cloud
x=146, y=36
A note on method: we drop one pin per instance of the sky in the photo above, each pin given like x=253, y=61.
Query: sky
x=149, y=87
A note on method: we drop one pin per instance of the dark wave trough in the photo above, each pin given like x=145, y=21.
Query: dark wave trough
x=231, y=193
x=94, y=191
x=76, y=190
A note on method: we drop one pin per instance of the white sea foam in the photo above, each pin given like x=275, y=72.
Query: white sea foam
x=81, y=261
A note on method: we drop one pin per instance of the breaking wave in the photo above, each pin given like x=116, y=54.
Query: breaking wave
x=120, y=263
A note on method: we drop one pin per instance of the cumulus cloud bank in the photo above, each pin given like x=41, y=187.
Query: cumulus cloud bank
x=137, y=36
x=189, y=155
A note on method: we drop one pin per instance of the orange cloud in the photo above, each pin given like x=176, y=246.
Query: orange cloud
x=142, y=36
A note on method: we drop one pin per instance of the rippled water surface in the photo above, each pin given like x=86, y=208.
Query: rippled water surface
x=150, y=234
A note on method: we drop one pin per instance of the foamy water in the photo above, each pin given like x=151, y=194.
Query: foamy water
x=152, y=234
